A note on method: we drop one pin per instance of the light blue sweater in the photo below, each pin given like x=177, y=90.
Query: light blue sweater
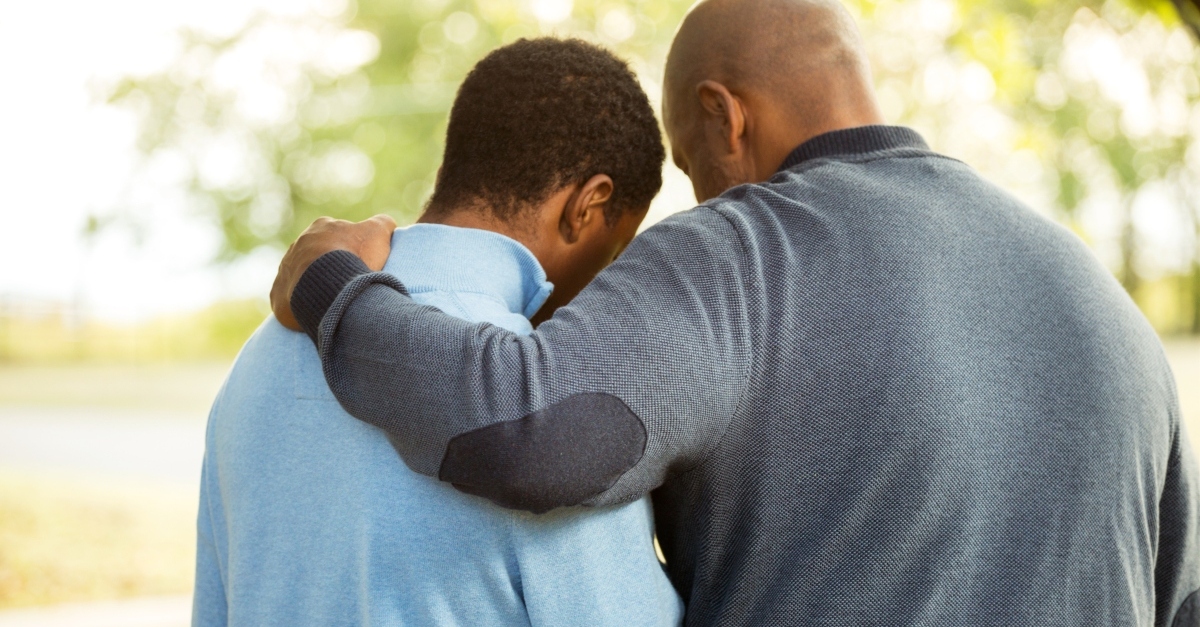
x=309, y=517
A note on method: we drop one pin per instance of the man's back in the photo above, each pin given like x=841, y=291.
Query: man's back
x=308, y=517
x=954, y=415
x=874, y=391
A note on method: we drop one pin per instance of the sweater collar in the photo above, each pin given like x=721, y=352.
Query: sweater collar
x=436, y=257
x=855, y=141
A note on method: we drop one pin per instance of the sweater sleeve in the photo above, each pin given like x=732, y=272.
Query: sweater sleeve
x=635, y=380
x=1177, y=568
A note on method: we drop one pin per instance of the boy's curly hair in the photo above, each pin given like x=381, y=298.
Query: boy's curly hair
x=539, y=114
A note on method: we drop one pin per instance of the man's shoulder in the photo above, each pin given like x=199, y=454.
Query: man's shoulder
x=855, y=190
x=710, y=226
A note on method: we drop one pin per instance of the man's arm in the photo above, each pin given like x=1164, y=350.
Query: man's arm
x=1177, y=568
x=637, y=378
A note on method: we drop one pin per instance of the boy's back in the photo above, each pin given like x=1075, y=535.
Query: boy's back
x=308, y=516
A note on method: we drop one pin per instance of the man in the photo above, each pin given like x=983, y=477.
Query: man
x=308, y=517
x=870, y=387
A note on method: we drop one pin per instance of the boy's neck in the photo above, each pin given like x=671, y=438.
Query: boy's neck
x=475, y=219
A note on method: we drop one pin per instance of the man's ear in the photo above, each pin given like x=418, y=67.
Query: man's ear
x=724, y=110
x=585, y=207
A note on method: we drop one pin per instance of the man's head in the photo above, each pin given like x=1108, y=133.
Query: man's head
x=554, y=143
x=749, y=80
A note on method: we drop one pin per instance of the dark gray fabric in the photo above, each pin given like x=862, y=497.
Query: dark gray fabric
x=561, y=455
x=704, y=372
x=1189, y=613
x=317, y=289
x=877, y=390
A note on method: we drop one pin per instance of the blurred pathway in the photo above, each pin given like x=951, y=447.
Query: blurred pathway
x=158, y=445
x=146, y=612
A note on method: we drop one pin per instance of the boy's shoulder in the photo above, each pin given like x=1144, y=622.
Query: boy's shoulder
x=275, y=363
x=475, y=307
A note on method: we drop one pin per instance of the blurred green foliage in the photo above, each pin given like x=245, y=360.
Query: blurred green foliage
x=1078, y=106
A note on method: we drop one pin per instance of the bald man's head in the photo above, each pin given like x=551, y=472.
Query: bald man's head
x=749, y=80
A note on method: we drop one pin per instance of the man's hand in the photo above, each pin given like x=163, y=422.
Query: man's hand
x=370, y=240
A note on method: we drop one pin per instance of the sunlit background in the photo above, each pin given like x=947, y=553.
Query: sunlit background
x=157, y=155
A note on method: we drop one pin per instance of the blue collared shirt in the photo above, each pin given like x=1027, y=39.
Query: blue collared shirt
x=308, y=516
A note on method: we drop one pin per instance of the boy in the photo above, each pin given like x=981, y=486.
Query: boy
x=308, y=516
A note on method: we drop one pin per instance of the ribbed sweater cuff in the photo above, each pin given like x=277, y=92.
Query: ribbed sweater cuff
x=320, y=285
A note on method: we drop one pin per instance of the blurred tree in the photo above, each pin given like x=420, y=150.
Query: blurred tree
x=1083, y=108
x=294, y=117
x=1189, y=12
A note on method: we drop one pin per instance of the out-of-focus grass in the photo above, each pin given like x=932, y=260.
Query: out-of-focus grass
x=75, y=540
x=70, y=538
x=59, y=335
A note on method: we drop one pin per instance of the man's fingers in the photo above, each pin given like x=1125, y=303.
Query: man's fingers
x=377, y=243
x=370, y=240
x=281, y=306
x=384, y=222
x=281, y=292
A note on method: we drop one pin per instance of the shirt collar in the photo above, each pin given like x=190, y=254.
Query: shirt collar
x=855, y=141
x=436, y=257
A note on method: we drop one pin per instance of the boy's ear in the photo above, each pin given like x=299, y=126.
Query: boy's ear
x=585, y=207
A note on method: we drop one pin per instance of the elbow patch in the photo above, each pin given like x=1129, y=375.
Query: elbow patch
x=558, y=456
x=1189, y=613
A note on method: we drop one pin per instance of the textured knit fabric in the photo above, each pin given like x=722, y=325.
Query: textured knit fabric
x=877, y=390
x=313, y=297
x=309, y=517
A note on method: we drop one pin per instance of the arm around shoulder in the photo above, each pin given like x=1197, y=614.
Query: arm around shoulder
x=636, y=378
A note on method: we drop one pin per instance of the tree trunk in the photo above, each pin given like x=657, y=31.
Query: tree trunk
x=1189, y=13
x=1129, y=276
x=1195, y=293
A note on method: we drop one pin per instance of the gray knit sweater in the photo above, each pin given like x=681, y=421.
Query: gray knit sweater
x=874, y=390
